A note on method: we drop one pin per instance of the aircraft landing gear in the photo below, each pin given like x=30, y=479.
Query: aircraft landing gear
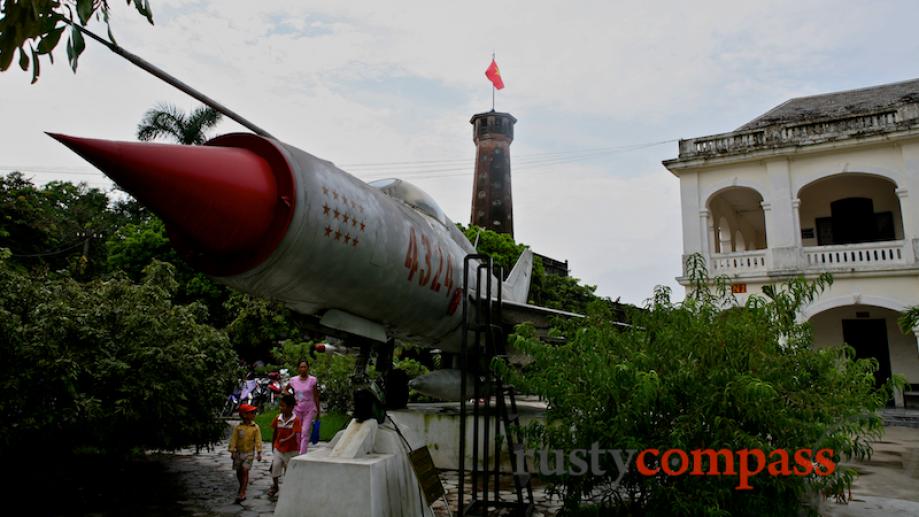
x=372, y=397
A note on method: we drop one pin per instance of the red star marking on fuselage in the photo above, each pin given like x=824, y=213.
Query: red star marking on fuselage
x=325, y=191
x=337, y=213
x=337, y=235
x=328, y=231
x=353, y=222
x=345, y=218
x=362, y=226
x=354, y=242
x=347, y=238
x=325, y=209
x=335, y=194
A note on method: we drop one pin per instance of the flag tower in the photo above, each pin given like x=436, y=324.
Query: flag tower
x=492, y=133
x=492, y=205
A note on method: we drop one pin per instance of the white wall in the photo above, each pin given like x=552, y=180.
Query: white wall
x=780, y=178
x=904, y=356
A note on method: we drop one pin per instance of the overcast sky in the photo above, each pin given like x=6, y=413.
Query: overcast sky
x=359, y=82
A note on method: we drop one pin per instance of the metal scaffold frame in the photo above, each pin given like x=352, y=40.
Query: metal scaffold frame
x=482, y=322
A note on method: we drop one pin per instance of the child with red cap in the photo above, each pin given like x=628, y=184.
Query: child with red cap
x=245, y=442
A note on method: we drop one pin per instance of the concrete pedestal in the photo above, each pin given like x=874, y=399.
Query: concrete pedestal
x=380, y=483
x=437, y=426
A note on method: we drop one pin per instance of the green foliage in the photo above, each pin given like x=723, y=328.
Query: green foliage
x=134, y=246
x=413, y=368
x=557, y=292
x=694, y=375
x=565, y=293
x=165, y=120
x=333, y=371
x=50, y=227
x=107, y=365
x=500, y=247
x=256, y=325
x=263, y=421
x=34, y=28
x=331, y=424
x=909, y=320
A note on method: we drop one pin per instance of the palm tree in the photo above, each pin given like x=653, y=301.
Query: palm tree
x=165, y=120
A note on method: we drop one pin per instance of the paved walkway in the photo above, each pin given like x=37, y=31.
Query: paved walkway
x=211, y=483
x=888, y=483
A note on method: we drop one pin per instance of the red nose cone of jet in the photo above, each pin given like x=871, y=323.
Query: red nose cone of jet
x=226, y=206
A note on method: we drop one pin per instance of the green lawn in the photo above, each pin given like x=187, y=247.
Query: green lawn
x=331, y=424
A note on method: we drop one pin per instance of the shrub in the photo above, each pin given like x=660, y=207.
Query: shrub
x=693, y=376
x=332, y=370
x=109, y=365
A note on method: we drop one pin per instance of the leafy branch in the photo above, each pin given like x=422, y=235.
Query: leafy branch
x=35, y=29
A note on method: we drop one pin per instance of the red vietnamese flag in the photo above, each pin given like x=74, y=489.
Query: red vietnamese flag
x=494, y=75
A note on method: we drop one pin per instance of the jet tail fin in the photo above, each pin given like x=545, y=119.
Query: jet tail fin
x=517, y=286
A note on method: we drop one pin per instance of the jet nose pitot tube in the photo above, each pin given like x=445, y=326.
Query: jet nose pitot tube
x=226, y=205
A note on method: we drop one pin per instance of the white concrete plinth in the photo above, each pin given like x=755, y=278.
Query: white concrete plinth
x=438, y=425
x=376, y=484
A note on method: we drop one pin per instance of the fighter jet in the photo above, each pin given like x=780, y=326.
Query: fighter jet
x=368, y=263
x=371, y=263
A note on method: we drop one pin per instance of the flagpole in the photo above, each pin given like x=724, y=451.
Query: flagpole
x=493, y=84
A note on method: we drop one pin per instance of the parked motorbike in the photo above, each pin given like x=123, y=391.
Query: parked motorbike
x=245, y=393
x=274, y=387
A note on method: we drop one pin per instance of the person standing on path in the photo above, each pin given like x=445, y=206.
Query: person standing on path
x=285, y=440
x=245, y=445
x=306, y=393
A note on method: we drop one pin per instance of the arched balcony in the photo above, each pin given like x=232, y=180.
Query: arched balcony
x=851, y=220
x=874, y=333
x=737, y=235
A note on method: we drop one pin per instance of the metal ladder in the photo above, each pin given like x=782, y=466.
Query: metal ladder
x=482, y=320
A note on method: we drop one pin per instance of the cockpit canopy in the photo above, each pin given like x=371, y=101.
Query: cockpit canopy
x=422, y=202
x=412, y=196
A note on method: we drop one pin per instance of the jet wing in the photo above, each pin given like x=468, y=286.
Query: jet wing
x=515, y=313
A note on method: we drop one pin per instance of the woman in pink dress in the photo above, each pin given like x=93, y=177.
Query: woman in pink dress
x=306, y=393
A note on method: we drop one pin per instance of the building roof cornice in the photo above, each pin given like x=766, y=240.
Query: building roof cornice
x=811, y=124
x=769, y=153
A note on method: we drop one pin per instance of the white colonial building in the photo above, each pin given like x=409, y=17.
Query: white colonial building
x=822, y=183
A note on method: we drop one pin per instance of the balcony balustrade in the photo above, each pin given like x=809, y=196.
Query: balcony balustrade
x=866, y=256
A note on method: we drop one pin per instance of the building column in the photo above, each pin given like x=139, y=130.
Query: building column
x=909, y=206
x=910, y=230
x=767, y=208
x=796, y=213
x=705, y=230
x=780, y=222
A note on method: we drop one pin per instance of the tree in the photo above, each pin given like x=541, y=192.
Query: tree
x=35, y=27
x=165, y=120
x=909, y=321
x=565, y=293
x=255, y=325
x=107, y=365
x=696, y=376
x=59, y=226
